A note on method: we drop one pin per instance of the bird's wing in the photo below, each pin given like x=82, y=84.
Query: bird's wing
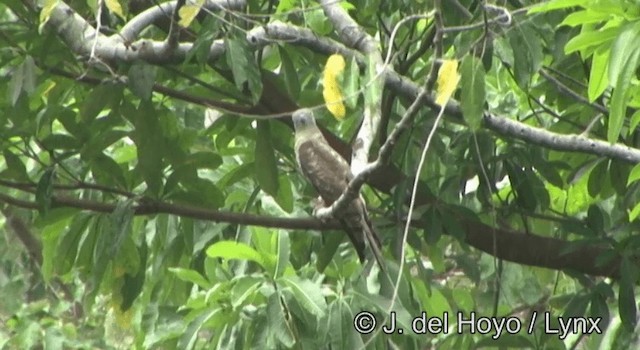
x=327, y=171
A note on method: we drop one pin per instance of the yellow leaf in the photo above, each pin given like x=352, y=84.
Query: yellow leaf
x=189, y=12
x=115, y=7
x=448, y=79
x=332, y=94
x=46, y=11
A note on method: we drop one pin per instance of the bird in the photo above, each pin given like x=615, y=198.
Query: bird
x=330, y=174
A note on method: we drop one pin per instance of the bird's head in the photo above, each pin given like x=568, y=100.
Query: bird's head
x=303, y=119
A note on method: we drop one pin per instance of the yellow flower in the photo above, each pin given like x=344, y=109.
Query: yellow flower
x=332, y=94
x=448, y=79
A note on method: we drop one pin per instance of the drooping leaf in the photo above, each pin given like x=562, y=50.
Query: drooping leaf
x=283, y=251
x=192, y=276
x=307, y=294
x=290, y=74
x=626, y=296
x=623, y=48
x=589, y=39
x=284, y=198
x=115, y=7
x=473, y=91
x=265, y=164
x=351, y=83
x=243, y=65
x=527, y=53
x=598, y=76
x=279, y=321
x=142, y=77
x=189, y=12
x=44, y=191
x=620, y=95
x=235, y=250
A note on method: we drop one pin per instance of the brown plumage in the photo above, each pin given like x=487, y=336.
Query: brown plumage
x=330, y=174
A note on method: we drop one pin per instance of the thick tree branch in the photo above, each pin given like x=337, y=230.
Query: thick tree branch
x=85, y=40
x=144, y=19
x=524, y=249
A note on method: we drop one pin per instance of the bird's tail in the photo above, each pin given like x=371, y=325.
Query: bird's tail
x=373, y=240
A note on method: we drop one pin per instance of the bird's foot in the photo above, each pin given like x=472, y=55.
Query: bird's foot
x=320, y=211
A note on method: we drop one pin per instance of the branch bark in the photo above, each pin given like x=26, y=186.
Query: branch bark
x=519, y=248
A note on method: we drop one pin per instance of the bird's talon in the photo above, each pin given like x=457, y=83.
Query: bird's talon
x=322, y=213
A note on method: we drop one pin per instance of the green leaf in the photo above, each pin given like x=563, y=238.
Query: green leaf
x=96, y=144
x=60, y=141
x=96, y=101
x=595, y=219
x=50, y=239
x=527, y=53
x=265, y=165
x=599, y=308
x=635, y=119
x=44, y=191
x=15, y=168
x=351, y=84
x=107, y=171
x=373, y=91
x=201, y=48
x=243, y=66
x=133, y=283
x=634, y=175
x=597, y=177
x=317, y=21
x=585, y=17
x=589, y=39
x=633, y=214
x=576, y=307
x=283, y=250
x=121, y=224
x=620, y=95
x=284, y=198
x=525, y=195
x=84, y=257
x=142, y=77
x=150, y=146
x=598, y=76
x=307, y=293
x=626, y=295
x=279, y=321
x=199, y=192
x=204, y=160
x=191, y=276
x=473, y=91
x=433, y=229
x=330, y=244
x=191, y=334
x=623, y=48
x=618, y=176
x=290, y=74
x=15, y=86
x=235, y=250
x=69, y=242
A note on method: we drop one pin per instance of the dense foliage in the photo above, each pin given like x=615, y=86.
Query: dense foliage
x=150, y=196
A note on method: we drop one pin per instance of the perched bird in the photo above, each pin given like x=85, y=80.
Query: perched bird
x=330, y=174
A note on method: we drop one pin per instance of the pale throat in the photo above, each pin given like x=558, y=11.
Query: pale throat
x=307, y=134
